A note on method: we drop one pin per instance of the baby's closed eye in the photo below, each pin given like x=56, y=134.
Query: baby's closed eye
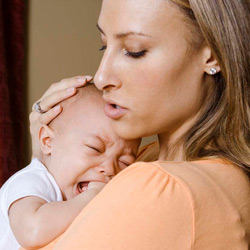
x=125, y=160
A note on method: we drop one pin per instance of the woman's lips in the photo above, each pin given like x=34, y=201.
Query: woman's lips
x=114, y=111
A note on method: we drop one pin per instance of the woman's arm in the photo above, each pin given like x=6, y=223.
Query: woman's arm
x=36, y=223
x=55, y=94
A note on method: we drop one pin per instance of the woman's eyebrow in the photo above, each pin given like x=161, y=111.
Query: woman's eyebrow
x=123, y=35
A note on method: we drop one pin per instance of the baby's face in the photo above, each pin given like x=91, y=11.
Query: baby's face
x=88, y=150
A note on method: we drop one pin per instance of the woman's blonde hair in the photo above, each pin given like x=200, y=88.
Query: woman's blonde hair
x=224, y=128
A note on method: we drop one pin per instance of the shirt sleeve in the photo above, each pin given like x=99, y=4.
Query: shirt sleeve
x=30, y=183
x=141, y=208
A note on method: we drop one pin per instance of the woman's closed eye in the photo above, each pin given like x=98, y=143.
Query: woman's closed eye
x=135, y=55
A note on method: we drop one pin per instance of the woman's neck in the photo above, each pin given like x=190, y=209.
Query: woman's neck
x=170, y=151
x=172, y=144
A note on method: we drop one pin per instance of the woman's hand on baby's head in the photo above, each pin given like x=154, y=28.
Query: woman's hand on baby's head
x=49, y=109
x=56, y=93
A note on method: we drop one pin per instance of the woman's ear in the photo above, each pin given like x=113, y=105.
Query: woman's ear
x=46, y=136
x=211, y=66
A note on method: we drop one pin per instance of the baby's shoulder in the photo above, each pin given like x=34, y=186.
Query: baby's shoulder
x=33, y=180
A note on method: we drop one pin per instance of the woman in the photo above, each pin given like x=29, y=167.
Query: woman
x=179, y=69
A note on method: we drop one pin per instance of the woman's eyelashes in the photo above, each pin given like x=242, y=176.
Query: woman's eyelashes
x=135, y=55
x=103, y=48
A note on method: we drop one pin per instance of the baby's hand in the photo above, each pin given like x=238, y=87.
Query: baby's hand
x=96, y=187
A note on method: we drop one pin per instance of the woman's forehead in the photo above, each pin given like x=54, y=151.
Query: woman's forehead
x=160, y=21
x=139, y=16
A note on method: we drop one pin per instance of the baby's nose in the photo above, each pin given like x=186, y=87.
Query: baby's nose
x=107, y=168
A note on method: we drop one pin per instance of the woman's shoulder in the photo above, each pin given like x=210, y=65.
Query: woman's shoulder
x=216, y=191
x=205, y=172
x=166, y=205
x=201, y=180
x=197, y=176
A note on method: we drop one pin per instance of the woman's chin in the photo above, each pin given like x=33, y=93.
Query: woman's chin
x=127, y=131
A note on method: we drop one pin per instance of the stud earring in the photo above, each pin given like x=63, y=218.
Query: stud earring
x=212, y=71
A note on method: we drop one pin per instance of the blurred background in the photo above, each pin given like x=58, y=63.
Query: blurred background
x=41, y=42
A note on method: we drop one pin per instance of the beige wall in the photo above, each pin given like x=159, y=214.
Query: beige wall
x=62, y=41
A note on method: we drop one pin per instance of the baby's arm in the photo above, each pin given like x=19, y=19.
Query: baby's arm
x=35, y=222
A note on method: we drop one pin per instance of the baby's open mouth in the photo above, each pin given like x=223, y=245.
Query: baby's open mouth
x=82, y=186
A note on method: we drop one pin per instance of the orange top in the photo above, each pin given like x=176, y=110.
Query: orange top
x=200, y=205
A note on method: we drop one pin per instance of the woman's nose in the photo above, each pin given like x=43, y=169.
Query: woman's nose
x=106, y=75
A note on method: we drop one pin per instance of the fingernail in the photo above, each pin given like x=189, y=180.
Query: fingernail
x=81, y=79
x=89, y=78
x=70, y=90
x=57, y=108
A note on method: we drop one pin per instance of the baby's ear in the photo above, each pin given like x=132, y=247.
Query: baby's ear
x=46, y=136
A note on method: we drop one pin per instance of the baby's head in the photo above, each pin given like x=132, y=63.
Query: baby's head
x=79, y=146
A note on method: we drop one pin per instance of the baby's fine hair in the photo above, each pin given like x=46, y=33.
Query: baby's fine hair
x=86, y=95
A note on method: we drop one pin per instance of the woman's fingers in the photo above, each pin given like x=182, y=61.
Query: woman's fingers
x=60, y=91
x=37, y=119
x=76, y=82
x=47, y=117
x=47, y=102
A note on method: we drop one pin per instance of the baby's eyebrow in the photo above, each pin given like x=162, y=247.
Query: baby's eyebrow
x=97, y=139
x=125, y=34
x=104, y=139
